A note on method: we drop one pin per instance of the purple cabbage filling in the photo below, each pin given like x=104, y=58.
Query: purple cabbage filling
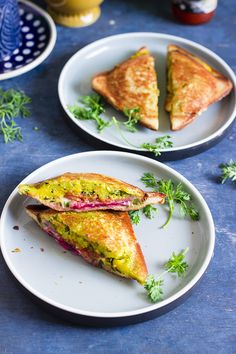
x=87, y=254
x=97, y=204
x=51, y=232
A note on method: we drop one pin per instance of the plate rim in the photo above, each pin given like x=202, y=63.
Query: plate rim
x=43, y=56
x=157, y=35
x=131, y=313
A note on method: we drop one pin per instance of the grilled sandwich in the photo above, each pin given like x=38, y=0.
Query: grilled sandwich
x=192, y=86
x=89, y=191
x=103, y=238
x=132, y=84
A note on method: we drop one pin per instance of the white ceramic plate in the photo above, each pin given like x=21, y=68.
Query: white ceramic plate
x=68, y=283
x=104, y=54
x=38, y=40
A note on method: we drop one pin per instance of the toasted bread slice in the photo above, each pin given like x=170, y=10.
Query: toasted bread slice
x=103, y=238
x=89, y=191
x=132, y=84
x=192, y=86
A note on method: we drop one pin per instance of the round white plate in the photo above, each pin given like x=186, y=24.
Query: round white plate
x=38, y=40
x=104, y=54
x=68, y=283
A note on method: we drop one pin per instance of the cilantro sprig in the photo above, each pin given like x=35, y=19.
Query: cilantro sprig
x=13, y=104
x=176, y=264
x=154, y=288
x=148, y=211
x=134, y=216
x=175, y=194
x=228, y=171
x=161, y=143
x=92, y=108
x=133, y=118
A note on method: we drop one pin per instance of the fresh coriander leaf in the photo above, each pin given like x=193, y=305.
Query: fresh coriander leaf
x=175, y=194
x=149, y=211
x=13, y=104
x=133, y=118
x=161, y=143
x=176, y=263
x=228, y=171
x=154, y=288
x=150, y=181
x=94, y=103
x=117, y=126
x=91, y=110
x=134, y=216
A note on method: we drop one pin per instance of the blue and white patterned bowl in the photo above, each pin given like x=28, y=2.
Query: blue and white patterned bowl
x=38, y=39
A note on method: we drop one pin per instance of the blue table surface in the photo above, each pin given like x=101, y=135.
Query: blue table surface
x=206, y=322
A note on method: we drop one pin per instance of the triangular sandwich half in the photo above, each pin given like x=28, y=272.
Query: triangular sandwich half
x=132, y=84
x=192, y=86
x=103, y=238
x=89, y=191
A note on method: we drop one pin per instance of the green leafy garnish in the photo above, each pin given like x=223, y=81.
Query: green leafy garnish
x=133, y=118
x=175, y=265
x=175, y=194
x=13, y=104
x=149, y=211
x=228, y=171
x=134, y=216
x=161, y=143
x=154, y=288
x=150, y=181
x=91, y=110
x=117, y=125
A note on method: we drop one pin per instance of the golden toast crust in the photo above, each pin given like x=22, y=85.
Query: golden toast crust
x=33, y=190
x=132, y=84
x=193, y=85
x=111, y=230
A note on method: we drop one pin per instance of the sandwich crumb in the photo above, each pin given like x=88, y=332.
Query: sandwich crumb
x=16, y=250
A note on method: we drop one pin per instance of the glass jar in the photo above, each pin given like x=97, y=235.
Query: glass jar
x=194, y=12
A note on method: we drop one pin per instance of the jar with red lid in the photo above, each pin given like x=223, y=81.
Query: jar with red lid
x=194, y=12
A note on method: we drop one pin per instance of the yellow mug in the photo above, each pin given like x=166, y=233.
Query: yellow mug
x=74, y=13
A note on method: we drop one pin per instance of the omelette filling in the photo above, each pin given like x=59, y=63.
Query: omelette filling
x=92, y=252
x=169, y=85
x=83, y=194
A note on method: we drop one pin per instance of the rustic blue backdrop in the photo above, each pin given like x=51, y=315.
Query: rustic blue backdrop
x=206, y=322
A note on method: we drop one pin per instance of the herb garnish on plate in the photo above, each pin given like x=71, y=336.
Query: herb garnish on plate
x=93, y=108
x=175, y=265
x=175, y=194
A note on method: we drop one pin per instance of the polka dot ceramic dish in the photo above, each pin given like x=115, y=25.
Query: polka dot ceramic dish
x=38, y=39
